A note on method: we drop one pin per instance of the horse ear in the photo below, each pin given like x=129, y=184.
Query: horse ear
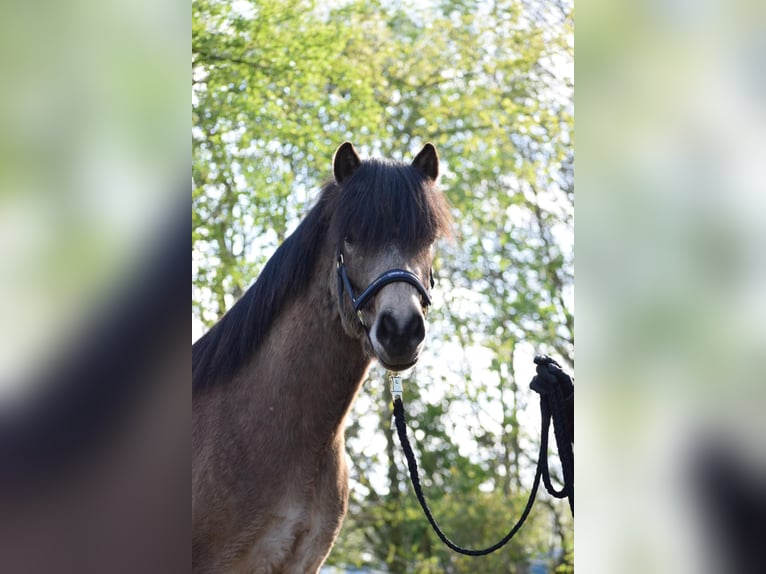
x=427, y=161
x=344, y=162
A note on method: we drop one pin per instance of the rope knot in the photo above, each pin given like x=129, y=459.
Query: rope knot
x=550, y=376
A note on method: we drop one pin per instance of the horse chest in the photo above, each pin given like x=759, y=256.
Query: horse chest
x=297, y=539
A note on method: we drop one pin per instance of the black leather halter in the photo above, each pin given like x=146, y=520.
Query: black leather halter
x=390, y=276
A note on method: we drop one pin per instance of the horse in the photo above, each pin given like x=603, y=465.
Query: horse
x=274, y=379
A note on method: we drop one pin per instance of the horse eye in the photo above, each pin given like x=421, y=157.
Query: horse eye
x=347, y=240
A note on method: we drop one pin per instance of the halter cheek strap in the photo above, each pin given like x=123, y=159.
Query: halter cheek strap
x=390, y=276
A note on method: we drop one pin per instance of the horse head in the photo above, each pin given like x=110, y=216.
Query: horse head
x=387, y=217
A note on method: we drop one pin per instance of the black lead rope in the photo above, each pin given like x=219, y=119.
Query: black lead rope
x=555, y=388
x=556, y=394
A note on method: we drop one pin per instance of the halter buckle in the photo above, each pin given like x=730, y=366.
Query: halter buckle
x=396, y=387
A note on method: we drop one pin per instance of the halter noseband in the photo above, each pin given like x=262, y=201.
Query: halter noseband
x=390, y=276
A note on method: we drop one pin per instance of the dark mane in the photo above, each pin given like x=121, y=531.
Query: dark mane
x=382, y=202
x=386, y=201
x=222, y=350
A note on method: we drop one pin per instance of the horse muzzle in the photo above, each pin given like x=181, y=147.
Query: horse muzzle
x=397, y=338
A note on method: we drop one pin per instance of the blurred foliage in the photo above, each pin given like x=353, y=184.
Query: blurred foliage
x=90, y=128
x=276, y=86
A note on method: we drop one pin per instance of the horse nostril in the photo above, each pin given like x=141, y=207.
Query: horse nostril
x=415, y=330
x=386, y=328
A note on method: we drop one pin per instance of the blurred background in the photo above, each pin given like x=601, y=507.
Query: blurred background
x=671, y=276
x=276, y=88
x=94, y=153
x=90, y=163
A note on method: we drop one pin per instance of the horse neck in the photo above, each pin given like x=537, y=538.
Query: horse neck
x=307, y=373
